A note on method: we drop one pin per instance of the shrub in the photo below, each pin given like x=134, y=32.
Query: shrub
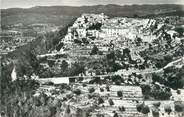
x=94, y=50
x=119, y=94
x=155, y=113
x=101, y=89
x=118, y=82
x=122, y=108
x=139, y=107
x=107, y=88
x=111, y=102
x=77, y=91
x=145, y=110
x=100, y=100
x=68, y=110
x=115, y=115
x=157, y=104
x=84, y=85
x=178, y=91
x=91, y=90
x=155, y=91
x=168, y=109
x=179, y=106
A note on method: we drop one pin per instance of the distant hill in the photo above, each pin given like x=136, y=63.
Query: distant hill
x=61, y=15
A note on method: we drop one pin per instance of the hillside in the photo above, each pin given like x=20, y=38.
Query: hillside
x=61, y=15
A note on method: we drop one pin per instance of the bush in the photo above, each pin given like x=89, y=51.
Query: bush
x=179, y=106
x=68, y=110
x=115, y=115
x=122, y=109
x=119, y=94
x=107, y=88
x=101, y=89
x=94, y=50
x=168, y=109
x=84, y=85
x=118, y=82
x=100, y=100
x=77, y=91
x=145, y=110
x=111, y=102
x=157, y=104
x=49, y=83
x=178, y=91
x=156, y=91
x=155, y=113
x=91, y=90
x=139, y=107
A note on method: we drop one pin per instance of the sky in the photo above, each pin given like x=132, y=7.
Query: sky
x=31, y=3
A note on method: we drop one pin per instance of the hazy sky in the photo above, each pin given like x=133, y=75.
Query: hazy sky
x=31, y=3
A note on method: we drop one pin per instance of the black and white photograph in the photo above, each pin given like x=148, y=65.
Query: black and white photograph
x=92, y=58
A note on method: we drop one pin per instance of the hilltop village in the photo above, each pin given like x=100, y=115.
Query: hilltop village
x=111, y=67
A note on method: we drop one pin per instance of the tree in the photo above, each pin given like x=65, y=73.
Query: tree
x=68, y=109
x=64, y=64
x=155, y=112
x=94, y=50
x=107, y=88
x=168, y=109
x=122, y=108
x=59, y=46
x=76, y=68
x=156, y=91
x=126, y=51
x=101, y=89
x=84, y=85
x=157, y=104
x=179, y=30
x=111, y=56
x=115, y=115
x=77, y=91
x=111, y=102
x=179, y=106
x=96, y=26
x=116, y=78
x=140, y=107
x=91, y=90
x=178, y=91
x=100, y=100
x=138, y=41
x=119, y=94
x=145, y=110
x=84, y=40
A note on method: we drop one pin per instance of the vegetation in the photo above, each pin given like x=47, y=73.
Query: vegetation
x=100, y=100
x=168, y=109
x=91, y=90
x=111, y=102
x=122, y=109
x=155, y=91
x=143, y=108
x=77, y=91
x=172, y=77
x=94, y=50
x=179, y=106
x=119, y=93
